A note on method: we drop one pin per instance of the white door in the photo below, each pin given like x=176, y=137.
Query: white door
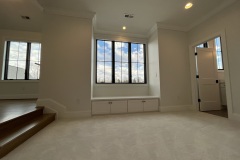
x=208, y=79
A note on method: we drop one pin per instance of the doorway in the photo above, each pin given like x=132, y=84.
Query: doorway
x=210, y=78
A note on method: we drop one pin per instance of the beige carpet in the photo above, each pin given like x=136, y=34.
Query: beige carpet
x=148, y=136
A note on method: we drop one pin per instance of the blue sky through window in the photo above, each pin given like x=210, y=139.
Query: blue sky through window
x=121, y=62
x=17, y=60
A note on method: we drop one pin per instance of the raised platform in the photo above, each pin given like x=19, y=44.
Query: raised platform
x=20, y=119
x=10, y=109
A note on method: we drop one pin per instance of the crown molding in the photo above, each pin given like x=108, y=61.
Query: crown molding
x=36, y=3
x=211, y=14
x=125, y=34
x=198, y=21
x=77, y=14
x=171, y=27
x=152, y=30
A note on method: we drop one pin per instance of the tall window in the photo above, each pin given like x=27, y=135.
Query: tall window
x=219, y=53
x=120, y=62
x=22, y=60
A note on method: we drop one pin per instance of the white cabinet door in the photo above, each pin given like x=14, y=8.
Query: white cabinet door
x=118, y=107
x=150, y=105
x=135, y=106
x=101, y=107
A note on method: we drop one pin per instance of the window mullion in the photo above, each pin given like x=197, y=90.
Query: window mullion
x=113, y=61
x=145, y=58
x=28, y=61
x=7, y=60
x=129, y=63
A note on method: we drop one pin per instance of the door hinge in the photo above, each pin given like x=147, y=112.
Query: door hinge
x=196, y=54
x=217, y=81
x=199, y=100
x=197, y=76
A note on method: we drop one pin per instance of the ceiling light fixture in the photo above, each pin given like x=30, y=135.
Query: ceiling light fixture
x=25, y=17
x=189, y=5
x=127, y=15
x=124, y=27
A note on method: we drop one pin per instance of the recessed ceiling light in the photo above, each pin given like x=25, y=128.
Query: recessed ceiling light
x=188, y=5
x=124, y=27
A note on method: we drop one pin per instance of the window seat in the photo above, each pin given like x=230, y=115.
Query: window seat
x=123, y=98
x=125, y=104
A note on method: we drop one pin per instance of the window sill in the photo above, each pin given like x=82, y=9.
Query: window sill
x=119, y=85
x=123, y=98
x=19, y=81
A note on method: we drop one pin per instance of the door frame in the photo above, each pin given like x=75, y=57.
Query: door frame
x=194, y=84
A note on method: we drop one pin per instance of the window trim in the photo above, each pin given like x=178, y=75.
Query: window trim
x=129, y=62
x=28, y=56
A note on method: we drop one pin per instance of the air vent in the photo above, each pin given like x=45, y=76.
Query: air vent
x=25, y=17
x=126, y=15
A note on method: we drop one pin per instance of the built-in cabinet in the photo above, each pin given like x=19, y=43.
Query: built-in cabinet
x=143, y=105
x=124, y=106
x=223, y=94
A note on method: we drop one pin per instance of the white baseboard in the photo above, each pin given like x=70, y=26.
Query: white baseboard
x=177, y=108
x=52, y=106
x=19, y=96
x=234, y=117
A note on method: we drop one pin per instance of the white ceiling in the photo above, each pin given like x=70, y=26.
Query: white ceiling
x=110, y=13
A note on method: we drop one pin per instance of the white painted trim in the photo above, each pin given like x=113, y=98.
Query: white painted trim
x=118, y=34
x=152, y=30
x=37, y=4
x=198, y=21
x=226, y=69
x=218, y=9
x=19, y=96
x=123, y=98
x=177, y=108
x=52, y=106
x=19, y=81
x=235, y=117
x=77, y=14
x=171, y=27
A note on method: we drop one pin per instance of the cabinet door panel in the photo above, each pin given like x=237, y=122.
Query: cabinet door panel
x=150, y=105
x=100, y=107
x=119, y=107
x=135, y=106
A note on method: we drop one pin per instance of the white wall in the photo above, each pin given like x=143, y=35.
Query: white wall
x=66, y=63
x=221, y=75
x=227, y=20
x=114, y=90
x=17, y=89
x=153, y=61
x=175, y=82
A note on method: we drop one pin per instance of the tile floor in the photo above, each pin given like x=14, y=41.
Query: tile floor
x=148, y=136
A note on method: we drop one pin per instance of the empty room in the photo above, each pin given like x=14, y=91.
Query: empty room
x=122, y=80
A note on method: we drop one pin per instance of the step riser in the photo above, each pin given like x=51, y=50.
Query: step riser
x=23, y=137
x=20, y=120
